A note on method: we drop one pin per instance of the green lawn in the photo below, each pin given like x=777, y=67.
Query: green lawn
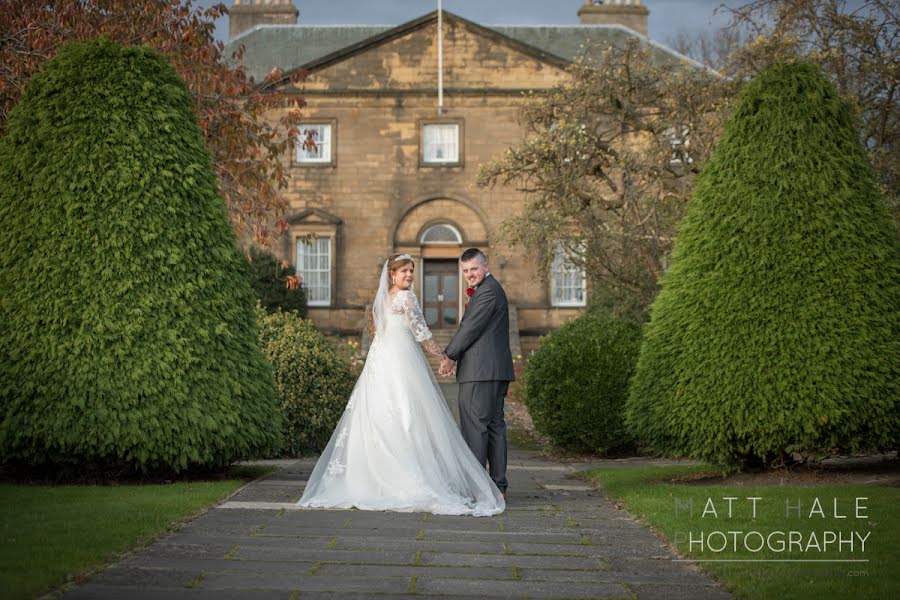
x=666, y=508
x=51, y=533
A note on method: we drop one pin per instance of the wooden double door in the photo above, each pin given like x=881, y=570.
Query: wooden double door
x=440, y=297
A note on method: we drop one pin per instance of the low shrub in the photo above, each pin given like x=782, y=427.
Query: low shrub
x=577, y=383
x=312, y=379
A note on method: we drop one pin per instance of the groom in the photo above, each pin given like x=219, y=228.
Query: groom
x=484, y=365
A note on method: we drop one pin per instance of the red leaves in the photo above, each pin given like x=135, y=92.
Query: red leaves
x=274, y=75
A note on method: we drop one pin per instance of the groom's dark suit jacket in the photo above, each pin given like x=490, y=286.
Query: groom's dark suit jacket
x=481, y=346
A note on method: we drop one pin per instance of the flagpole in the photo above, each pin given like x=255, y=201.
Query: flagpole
x=440, y=60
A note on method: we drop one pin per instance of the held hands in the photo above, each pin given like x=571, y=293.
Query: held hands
x=448, y=367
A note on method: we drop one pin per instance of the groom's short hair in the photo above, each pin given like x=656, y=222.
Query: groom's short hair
x=473, y=253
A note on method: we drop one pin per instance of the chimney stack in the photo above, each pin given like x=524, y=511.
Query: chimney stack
x=630, y=13
x=246, y=14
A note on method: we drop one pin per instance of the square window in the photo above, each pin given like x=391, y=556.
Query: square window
x=440, y=143
x=321, y=136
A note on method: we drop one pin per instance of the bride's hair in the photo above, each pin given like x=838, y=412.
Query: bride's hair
x=393, y=263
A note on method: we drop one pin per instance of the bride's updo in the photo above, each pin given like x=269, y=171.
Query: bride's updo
x=395, y=262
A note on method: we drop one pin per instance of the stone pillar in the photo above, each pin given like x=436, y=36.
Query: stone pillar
x=246, y=14
x=630, y=13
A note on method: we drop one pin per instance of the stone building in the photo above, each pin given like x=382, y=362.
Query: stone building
x=400, y=142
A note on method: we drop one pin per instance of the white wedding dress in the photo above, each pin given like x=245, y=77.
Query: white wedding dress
x=397, y=446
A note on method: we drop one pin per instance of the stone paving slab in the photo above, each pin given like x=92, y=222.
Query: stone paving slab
x=163, y=549
x=558, y=538
x=473, y=588
x=360, y=557
x=219, y=565
x=364, y=543
x=148, y=577
x=306, y=582
x=407, y=533
x=532, y=467
x=572, y=537
x=457, y=559
x=538, y=574
x=467, y=572
x=94, y=591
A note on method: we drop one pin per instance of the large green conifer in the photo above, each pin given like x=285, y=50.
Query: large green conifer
x=127, y=326
x=778, y=324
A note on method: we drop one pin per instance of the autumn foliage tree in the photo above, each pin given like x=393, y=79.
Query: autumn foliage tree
x=606, y=163
x=229, y=106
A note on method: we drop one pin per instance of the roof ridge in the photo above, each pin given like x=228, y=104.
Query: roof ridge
x=300, y=25
x=555, y=43
x=629, y=30
x=263, y=26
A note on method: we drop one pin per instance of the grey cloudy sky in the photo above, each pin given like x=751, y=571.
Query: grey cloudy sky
x=667, y=17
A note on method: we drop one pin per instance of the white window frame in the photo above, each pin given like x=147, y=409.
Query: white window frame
x=324, y=144
x=573, y=275
x=680, y=143
x=324, y=250
x=428, y=157
x=455, y=231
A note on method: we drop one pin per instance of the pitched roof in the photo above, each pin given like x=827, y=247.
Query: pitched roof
x=291, y=47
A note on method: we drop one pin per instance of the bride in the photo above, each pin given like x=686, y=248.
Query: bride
x=397, y=447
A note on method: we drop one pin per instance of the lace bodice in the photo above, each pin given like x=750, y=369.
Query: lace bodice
x=406, y=304
x=406, y=307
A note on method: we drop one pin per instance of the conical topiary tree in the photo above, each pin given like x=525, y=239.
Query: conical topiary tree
x=777, y=328
x=127, y=325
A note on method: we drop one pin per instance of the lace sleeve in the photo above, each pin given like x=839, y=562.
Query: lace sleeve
x=408, y=305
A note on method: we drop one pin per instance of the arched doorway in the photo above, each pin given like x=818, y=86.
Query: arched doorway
x=436, y=231
x=440, y=275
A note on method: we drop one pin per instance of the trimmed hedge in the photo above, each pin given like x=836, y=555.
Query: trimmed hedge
x=577, y=382
x=313, y=380
x=777, y=328
x=127, y=329
x=268, y=278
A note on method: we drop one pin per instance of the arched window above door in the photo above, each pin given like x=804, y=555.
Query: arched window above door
x=441, y=234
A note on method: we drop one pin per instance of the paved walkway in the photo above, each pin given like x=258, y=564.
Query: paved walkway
x=559, y=538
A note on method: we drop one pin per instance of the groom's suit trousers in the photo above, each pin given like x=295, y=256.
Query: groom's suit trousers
x=483, y=426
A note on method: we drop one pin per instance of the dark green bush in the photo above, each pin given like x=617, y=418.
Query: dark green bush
x=269, y=279
x=577, y=382
x=127, y=328
x=777, y=328
x=313, y=381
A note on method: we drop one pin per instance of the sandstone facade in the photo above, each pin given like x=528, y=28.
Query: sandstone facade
x=377, y=195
